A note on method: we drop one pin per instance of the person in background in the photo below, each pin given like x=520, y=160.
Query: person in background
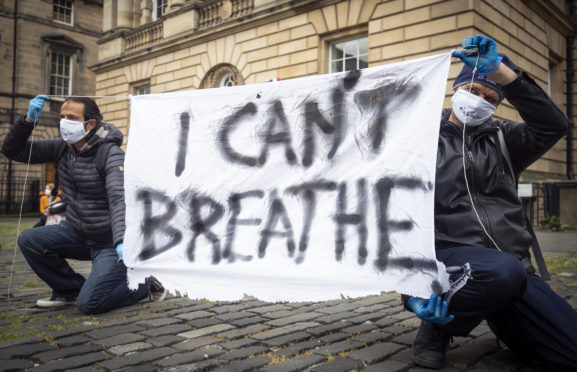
x=46, y=199
x=95, y=211
x=481, y=233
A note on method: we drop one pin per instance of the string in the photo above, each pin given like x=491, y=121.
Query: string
x=464, y=164
x=68, y=96
x=20, y=212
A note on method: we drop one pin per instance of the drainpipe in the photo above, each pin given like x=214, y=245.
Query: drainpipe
x=569, y=82
x=13, y=105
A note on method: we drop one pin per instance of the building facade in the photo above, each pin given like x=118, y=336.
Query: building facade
x=154, y=46
x=47, y=47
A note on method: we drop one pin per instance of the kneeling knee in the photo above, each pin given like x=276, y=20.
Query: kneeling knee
x=25, y=238
x=90, y=306
x=509, y=277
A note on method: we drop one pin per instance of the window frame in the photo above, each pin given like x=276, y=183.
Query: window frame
x=137, y=89
x=226, y=79
x=55, y=13
x=158, y=9
x=326, y=40
x=216, y=75
x=70, y=56
x=343, y=60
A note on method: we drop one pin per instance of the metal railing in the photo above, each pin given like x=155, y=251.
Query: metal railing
x=30, y=190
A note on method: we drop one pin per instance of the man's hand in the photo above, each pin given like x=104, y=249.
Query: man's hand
x=487, y=54
x=119, y=248
x=35, y=107
x=433, y=310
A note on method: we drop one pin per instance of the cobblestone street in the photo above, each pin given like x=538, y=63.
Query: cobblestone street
x=371, y=333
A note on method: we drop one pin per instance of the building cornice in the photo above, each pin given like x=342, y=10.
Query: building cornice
x=57, y=26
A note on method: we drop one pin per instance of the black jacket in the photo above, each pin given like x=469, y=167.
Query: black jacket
x=95, y=201
x=493, y=189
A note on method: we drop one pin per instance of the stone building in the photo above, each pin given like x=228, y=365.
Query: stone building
x=153, y=46
x=47, y=47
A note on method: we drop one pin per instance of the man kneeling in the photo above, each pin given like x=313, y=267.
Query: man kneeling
x=89, y=168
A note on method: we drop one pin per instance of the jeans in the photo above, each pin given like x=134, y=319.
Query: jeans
x=46, y=249
x=520, y=308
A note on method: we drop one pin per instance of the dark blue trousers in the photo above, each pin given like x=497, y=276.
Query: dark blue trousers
x=46, y=249
x=521, y=309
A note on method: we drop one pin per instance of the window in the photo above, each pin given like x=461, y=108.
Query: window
x=158, y=8
x=62, y=11
x=352, y=54
x=60, y=74
x=142, y=89
x=227, y=80
x=223, y=75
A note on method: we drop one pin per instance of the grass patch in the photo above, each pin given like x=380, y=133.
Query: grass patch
x=567, y=263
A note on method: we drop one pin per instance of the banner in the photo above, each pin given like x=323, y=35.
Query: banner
x=300, y=190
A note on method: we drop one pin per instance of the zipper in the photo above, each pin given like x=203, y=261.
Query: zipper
x=72, y=175
x=482, y=212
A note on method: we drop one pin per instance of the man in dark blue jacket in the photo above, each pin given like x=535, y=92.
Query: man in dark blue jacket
x=480, y=228
x=94, y=225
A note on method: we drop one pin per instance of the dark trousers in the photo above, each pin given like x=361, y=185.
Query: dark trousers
x=521, y=309
x=46, y=249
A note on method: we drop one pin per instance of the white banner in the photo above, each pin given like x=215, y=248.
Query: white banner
x=298, y=190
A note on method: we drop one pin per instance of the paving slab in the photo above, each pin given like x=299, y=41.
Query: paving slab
x=130, y=348
x=252, y=364
x=65, y=352
x=375, y=353
x=73, y=362
x=291, y=338
x=201, y=354
x=195, y=343
x=295, y=364
x=338, y=365
x=141, y=358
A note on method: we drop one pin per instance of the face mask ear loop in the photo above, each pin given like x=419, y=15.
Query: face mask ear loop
x=21, y=208
x=465, y=168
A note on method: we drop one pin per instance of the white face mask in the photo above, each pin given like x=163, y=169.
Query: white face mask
x=470, y=109
x=72, y=131
x=47, y=192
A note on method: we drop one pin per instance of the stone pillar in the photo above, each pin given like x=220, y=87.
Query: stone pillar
x=108, y=15
x=145, y=11
x=125, y=14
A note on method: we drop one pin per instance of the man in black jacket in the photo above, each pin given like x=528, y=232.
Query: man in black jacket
x=480, y=228
x=94, y=225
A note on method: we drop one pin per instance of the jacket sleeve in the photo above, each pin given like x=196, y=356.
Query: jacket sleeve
x=17, y=147
x=544, y=122
x=114, y=173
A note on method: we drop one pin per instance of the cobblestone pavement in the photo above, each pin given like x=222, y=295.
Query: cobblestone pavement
x=371, y=333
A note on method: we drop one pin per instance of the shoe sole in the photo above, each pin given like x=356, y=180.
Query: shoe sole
x=162, y=296
x=428, y=363
x=51, y=306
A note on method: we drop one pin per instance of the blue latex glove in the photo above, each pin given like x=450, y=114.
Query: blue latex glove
x=119, y=249
x=433, y=310
x=35, y=107
x=488, y=57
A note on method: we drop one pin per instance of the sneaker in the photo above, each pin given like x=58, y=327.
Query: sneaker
x=430, y=346
x=56, y=301
x=156, y=289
